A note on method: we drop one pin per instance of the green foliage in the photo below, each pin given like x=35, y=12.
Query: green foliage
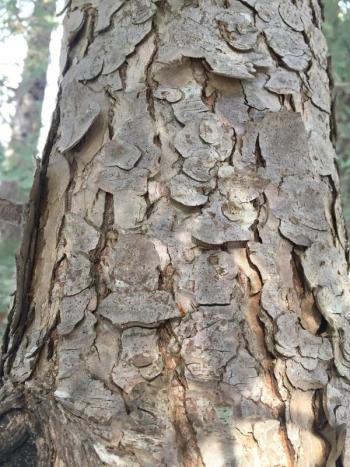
x=16, y=16
x=7, y=274
x=22, y=17
x=2, y=155
x=336, y=28
x=11, y=20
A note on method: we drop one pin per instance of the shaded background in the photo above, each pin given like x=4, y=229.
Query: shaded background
x=30, y=34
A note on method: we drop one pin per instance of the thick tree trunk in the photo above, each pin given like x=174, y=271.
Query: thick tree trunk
x=183, y=293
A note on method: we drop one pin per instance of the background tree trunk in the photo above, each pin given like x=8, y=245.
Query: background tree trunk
x=29, y=95
x=183, y=292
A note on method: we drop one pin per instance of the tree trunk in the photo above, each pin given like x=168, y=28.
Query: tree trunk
x=183, y=286
x=28, y=99
x=29, y=95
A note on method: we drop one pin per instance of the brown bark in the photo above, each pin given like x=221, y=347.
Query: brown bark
x=26, y=125
x=183, y=295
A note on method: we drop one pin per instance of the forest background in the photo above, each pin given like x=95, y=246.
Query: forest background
x=24, y=122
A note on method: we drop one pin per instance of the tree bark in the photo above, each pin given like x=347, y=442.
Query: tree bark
x=183, y=292
x=17, y=175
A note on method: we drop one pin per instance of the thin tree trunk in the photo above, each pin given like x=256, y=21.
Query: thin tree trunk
x=29, y=95
x=183, y=293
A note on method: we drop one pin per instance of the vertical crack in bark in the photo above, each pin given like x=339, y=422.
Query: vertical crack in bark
x=105, y=230
x=260, y=161
x=177, y=392
x=185, y=432
x=150, y=83
x=111, y=114
x=25, y=261
x=332, y=208
x=267, y=360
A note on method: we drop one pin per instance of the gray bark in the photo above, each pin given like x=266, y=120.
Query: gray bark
x=183, y=296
